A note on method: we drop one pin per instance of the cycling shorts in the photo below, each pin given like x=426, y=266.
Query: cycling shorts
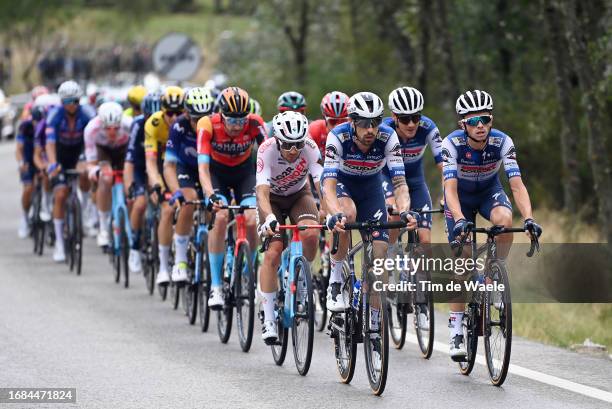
x=113, y=155
x=419, y=198
x=28, y=176
x=472, y=203
x=187, y=177
x=369, y=198
x=240, y=179
x=298, y=206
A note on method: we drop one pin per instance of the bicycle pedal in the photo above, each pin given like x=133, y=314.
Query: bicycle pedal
x=459, y=358
x=272, y=342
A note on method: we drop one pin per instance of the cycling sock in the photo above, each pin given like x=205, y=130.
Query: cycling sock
x=58, y=224
x=104, y=219
x=268, y=305
x=336, y=271
x=46, y=196
x=164, y=255
x=374, y=319
x=84, y=200
x=136, y=239
x=454, y=323
x=180, y=245
x=216, y=266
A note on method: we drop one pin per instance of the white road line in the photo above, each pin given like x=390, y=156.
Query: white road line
x=534, y=375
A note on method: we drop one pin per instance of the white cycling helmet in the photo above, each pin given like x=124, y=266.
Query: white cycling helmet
x=474, y=101
x=69, y=89
x=290, y=126
x=405, y=101
x=110, y=113
x=47, y=100
x=365, y=105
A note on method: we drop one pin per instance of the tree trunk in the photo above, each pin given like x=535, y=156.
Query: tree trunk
x=589, y=79
x=505, y=55
x=297, y=42
x=392, y=32
x=569, y=123
x=424, y=13
x=452, y=83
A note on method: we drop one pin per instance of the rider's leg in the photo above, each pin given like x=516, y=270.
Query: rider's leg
x=139, y=208
x=181, y=236
x=61, y=194
x=350, y=212
x=164, y=233
x=104, y=200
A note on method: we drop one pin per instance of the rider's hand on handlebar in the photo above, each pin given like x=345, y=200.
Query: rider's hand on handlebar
x=177, y=197
x=335, y=222
x=94, y=173
x=410, y=218
x=269, y=226
x=214, y=202
x=532, y=228
x=53, y=169
x=461, y=228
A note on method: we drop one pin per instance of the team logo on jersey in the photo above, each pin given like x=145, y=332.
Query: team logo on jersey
x=468, y=155
x=378, y=214
x=511, y=154
x=155, y=121
x=495, y=141
x=331, y=152
x=437, y=138
x=260, y=165
x=445, y=155
x=458, y=141
x=396, y=150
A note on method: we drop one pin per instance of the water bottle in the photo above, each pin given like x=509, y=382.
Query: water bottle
x=356, y=293
x=325, y=261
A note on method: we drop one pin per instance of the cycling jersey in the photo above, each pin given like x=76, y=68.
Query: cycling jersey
x=181, y=147
x=317, y=130
x=477, y=170
x=58, y=128
x=156, y=135
x=214, y=144
x=40, y=138
x=286, y=178
x=25, y=137
x=136, y=151
x=413, y=149
x=96, y=135
x=344, y=160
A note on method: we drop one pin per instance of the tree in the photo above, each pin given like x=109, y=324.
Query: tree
x=295, y=21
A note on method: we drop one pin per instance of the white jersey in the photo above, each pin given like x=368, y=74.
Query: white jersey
x=286, y=178
x=95, y=134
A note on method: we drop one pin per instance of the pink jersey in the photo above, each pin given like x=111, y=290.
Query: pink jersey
x=95, y=134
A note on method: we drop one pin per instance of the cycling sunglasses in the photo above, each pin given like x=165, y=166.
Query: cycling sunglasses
x=406, y=119
x=368, y=122
x=232, y=121
x=335, y=121
x=287, y=146
x=173, y=113
x=473, y=121
x=71, y=100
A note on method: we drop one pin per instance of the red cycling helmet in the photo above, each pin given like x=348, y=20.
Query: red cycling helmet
x=334, y=105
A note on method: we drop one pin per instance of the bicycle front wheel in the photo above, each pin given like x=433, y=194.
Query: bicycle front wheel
x=498, y=324
x=203, y=265
x=124, y=252
x=302, y=331
x=471, y=329
x=244, y=294
x=343, y=328
x=424, y=323
x=397, y=313
x=376, y=341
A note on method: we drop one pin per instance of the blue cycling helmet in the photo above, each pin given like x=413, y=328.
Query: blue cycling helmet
x=151, y=103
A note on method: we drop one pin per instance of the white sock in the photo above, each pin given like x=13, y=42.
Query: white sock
x=180, y=245
x=164, y=255
x=24, y=219
x=336, y=271
x=104, y=219
x=58, y=224
x=268, y=305
x=455, y=323
x=84, y=199
x=46, y=196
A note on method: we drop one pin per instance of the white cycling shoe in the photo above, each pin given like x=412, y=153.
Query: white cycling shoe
x=179, y=272
x=457, y=348
x=162, y=277
x=335, y=299
x=24, y=230
x=59, y=255
x=423, y=321
x=269, y=335
x=216, y=301
x=134, y=262
x=103, y=238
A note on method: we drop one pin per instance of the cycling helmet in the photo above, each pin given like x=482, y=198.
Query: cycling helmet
x=254, y=107
x=334, y=105
x=474, y=101
x=365, y=105
x=199, y=102
x=110, y=114
x=290, y=126
x=151, y=103
x=172, y=99
x=291, y=101
x=234, y=102
x=38, y=91
x=69, y=89
x=136, y=94
x=405, y=101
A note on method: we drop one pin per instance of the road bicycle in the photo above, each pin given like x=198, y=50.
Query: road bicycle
x=121, y=230
x=73, y=228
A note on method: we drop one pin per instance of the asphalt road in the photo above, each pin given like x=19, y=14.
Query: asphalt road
x=123, y=348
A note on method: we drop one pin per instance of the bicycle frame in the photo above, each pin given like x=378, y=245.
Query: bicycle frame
x=119, y=205
x=201, y=232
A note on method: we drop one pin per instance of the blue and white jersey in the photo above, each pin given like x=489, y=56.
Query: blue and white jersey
x=477, y=170
x=343, y=159
x=58, y=128
x=136, y=149
x=181, y=147
x=413, y=149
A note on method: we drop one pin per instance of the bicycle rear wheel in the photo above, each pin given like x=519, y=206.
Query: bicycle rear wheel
x=376, y=342
x=279, y=350
x=124, y=252
x=471, y=330
x=302, y=331
x=244, y=293
x=319, y=294
x=343, y=326
x=424, y=305
x=397, y=313
x=77, y=242
x=203, y=265
x=224, y=321
x=498, y=324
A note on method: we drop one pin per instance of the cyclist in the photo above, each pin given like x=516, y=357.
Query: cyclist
x=64, y=145
x=24, y=153
x=334, y=110
x=35, y=93
x=225, y=141
x=287, y=101
x=181, y=171
x=255, y=107
x=106, y=139
x=355, y=154
x=283, y=165
x=135, y=176
x=157, y=129
x=472, y=156
x=135, y=96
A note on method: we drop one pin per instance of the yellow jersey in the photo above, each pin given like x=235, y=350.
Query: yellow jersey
x=156, y=135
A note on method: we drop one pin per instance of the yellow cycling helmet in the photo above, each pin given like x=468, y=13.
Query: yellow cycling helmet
x=136, y=94
x=172, y=100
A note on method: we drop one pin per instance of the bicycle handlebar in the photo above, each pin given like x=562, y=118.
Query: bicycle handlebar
x=491, y=232
x=266, y=242
x=367, y=225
